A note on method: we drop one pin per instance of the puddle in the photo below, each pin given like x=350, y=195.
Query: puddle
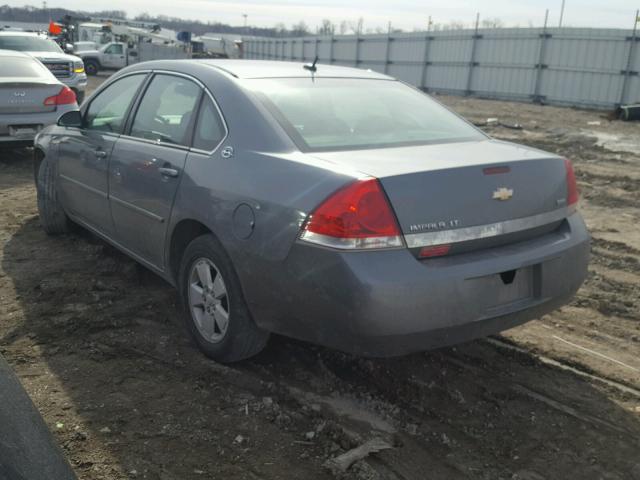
x=616, y=142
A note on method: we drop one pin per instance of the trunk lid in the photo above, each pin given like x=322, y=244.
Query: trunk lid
x=19, y=96
x=437, y=188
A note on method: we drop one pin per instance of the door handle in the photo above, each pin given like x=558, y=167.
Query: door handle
x=168, y=171
x=100, y=154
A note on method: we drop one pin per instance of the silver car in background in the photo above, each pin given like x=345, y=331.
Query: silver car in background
x=334, y=205
x=31, y=98
x=69, y=69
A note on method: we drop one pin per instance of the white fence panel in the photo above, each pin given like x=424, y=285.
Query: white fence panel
x=583, y=67
x=153, y=51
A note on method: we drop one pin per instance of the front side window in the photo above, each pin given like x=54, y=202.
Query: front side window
x=166, y=110
x=209, y=130
x=107, y=112
x=28, y=43
x=115, y=50
x=350, y=113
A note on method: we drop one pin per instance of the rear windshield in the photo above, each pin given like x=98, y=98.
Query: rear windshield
x=337, y=114
x=27, y=43
x=22, y=67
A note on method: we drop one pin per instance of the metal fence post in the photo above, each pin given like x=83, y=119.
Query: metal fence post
x=331, y=42
x=627, y=72
x=388, y=52
x=357, y=59
x=425, y=62
x=472, y=62
x=317, y=48
x=540, y=66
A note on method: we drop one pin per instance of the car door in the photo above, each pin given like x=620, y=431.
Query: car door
x=83, y=153
x=114, y=56
x=146, y=164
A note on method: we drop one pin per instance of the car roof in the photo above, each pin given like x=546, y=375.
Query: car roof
x=13, y=53
x=277, y=69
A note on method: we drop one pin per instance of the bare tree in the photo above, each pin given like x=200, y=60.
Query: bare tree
x=454, y=25
x=492, y=23
x=356, y=27
x=327, y=27
x=299, y=29
x=344, y=27
x=280, y=28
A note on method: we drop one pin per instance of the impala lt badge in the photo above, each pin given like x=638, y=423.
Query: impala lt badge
x=440, y=225
x=503, y=194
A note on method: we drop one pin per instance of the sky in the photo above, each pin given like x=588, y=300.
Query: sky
x=405, y=14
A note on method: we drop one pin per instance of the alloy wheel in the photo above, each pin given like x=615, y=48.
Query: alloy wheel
x=208, y=300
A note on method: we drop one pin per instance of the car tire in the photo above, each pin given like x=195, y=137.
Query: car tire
x=53, y=219
x=91, y=67
x=215, y=311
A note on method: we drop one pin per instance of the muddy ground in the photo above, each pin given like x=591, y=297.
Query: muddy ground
x=98, y=344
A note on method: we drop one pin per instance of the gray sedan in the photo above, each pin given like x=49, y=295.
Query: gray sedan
x=31, y=98
x=334, y=205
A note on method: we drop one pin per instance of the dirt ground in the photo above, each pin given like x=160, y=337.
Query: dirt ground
x=98, y=344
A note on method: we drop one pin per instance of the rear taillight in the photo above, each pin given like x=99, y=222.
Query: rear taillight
x=65, y=97
x=355, y=217
x=572, y=187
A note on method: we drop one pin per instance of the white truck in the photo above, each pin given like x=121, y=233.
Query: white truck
x=111, y=56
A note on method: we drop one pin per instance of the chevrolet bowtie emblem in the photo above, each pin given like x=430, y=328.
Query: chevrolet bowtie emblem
x=503, y=194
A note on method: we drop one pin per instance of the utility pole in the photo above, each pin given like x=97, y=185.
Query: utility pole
x=632, y=46
x=245, y=22
x=429, y=24
x=561, y=14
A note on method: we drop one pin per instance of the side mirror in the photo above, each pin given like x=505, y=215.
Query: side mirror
x=71, y=119
x=68, y=48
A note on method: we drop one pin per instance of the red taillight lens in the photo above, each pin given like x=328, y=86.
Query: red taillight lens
x=356, y=216
x=572, y=187
x=65, y=97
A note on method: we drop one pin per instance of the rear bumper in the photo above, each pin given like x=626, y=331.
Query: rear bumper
x=388, y=303
x=21, y=129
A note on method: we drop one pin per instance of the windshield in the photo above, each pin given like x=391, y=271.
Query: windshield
x=23, y=67
x=334, y=114
x=24, y=43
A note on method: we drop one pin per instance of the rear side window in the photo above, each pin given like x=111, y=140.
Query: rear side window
x=166, y=110
x=209, y=130
x=108, y=110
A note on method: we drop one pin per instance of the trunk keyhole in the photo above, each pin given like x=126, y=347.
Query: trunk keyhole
x=508, y=277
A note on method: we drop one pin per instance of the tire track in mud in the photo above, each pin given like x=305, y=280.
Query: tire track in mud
x=420, y=404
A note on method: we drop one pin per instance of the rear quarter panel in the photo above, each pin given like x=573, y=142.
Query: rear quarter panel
x=266, y=173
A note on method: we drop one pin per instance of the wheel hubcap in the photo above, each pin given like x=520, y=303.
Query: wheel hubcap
x=209, y=300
